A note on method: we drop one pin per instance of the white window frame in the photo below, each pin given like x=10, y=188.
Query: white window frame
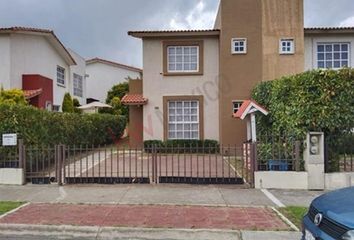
x=59, y=76
x=333, y=52
x=183, y=122
x=292, y=46
x=77, y=80
x=183, y=58
x=239, y=102
x=238, y=40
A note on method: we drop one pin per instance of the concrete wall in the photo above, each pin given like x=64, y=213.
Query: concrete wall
x=12, y=176
x=80, y=69
x=339, y=180
x=156, y=85
x=311, y=41
x=31, y=54
x=102, y=77
x=5, y=61
x=281, y=180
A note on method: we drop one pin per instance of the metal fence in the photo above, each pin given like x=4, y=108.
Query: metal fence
x=279, y=153
x=155, y=164
x=9, y=156
x=339, y=152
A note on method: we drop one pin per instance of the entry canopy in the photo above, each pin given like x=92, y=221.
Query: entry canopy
x=248, y=110
x=248, y=107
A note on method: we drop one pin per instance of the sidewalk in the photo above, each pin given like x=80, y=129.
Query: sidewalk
x=211, y=195
x=34, y=232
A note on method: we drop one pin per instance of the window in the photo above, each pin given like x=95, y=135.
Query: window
x=60, y=76
x=236, y=105
x=183, y=58
x=333, y=55
x=56, y=108
x=239, y=46
x=183, y=119
x=78, y=89
x=286, y=46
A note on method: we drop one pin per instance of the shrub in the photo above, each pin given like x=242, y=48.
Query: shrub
x=76, y=104
x=37, y=126
x=68, y=105
x=12, y=96
x=180, y=146
x=318, y=100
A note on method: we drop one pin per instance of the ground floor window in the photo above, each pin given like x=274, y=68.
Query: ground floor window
x=183, y=119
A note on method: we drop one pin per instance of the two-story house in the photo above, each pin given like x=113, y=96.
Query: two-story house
x=36, y=61
x=194, y=80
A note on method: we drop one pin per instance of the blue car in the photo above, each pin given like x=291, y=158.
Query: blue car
x=331, y=216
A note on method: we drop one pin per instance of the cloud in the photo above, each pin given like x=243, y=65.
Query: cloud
x=349, y=22
x=197, y=18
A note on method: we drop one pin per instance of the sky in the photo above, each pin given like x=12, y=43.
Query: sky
x=98, y=28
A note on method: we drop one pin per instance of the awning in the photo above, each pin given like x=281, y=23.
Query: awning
x=134, y=99
x=94, y=105
x=32, y=93
x=248, y=107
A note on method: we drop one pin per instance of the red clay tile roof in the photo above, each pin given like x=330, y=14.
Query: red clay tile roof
x=154, y=33
x=32, y=93
x=245, y=105
x=38, y=30
x=100, y=60
x=134, y=99
x=329, y=30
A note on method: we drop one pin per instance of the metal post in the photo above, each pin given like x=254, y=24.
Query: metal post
x=297, y=156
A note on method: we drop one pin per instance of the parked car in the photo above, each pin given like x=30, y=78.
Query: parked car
x=331, y=216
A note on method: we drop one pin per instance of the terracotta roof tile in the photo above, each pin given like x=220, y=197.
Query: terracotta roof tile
x=32, y=93
x=94, y=60
x=134, y=99
x=244, y=107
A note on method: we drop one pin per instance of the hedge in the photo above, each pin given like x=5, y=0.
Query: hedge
x=40, y=127
x=181, y=146
x=318, y=100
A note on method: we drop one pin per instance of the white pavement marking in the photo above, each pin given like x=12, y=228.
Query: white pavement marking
x=62, y=194
x=292, y=225
x=14, y=210
x=275, y=200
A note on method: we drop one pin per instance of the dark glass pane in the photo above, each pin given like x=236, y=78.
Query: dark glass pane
x=328, y=56
x=344, y=63
x=320, y=64
x=320, y=56
x=336, y=56
x=337, y=64
x=344, y=47
x=328, y=64
x=344, y=56
x=320, y=48
x=336, y=47
x=328, y=48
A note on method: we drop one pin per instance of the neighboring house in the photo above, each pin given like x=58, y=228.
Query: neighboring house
x=35, y=61
x=103, y=75
x=194, y=80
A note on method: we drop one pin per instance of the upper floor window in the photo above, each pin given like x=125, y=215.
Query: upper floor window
x=183, y=58
x=78, y=85
x=236, y=105
x=60, y=76
x=239, y=46
x=333, y=55
x=286, y=46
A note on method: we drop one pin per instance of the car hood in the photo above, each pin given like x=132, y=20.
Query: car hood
x=338, y=206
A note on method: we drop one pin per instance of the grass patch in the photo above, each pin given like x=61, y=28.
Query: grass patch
x=294, y=214
x=8, y=206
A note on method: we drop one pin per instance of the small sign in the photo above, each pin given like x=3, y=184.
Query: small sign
x=9, y=139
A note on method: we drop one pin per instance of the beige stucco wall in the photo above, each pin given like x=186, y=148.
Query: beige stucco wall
x=282, y=19
x=281, y=180
x=155, y=86
x=311, y=41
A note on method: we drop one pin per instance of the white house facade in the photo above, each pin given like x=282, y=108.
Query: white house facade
x=102, y=75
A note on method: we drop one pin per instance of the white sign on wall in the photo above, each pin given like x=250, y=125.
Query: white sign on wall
x=9, y=139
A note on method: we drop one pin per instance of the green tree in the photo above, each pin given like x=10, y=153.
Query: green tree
x=68, y=105
x=76, y=104
x=118, y=90
x=13, y=97
x=116, y=106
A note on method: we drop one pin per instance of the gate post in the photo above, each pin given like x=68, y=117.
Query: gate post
x=154, y=164
x=22, y=158
x=253, y=162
